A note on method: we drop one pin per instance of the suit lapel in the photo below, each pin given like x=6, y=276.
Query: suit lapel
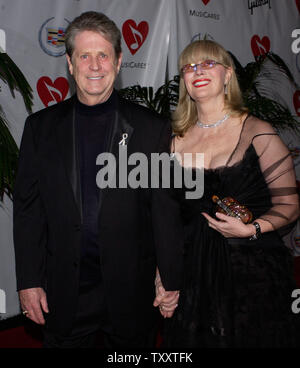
x=67, y=142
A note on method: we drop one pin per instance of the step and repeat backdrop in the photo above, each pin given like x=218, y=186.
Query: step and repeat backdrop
x=154, y=32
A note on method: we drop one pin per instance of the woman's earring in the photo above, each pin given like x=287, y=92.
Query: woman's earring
x=225, y=89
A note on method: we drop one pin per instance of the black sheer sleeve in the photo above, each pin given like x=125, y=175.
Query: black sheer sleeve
x=277, y=168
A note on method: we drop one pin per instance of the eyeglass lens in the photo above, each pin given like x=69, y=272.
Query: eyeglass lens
x=207, y=64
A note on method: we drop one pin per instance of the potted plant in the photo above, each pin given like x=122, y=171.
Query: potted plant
x=11, y=75
x=254, y=80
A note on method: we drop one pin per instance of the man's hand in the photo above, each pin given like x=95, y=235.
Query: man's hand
x=166, y=300
x=34, y=303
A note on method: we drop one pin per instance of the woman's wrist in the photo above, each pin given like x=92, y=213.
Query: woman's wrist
x=257, y=231
x=157, y=277
x=252, y=229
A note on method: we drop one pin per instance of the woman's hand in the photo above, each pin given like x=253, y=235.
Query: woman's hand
x=230, y=227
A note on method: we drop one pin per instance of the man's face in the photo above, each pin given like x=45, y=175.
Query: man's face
x=94, y=67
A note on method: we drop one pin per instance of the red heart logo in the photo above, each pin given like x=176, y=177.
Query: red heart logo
x=298, y=5
x=50, y=93
x=134, y=35
x=205, y=2
x=260, y=46
x=296, y=100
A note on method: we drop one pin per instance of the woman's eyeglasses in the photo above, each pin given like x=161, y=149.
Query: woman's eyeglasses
x=205, y=65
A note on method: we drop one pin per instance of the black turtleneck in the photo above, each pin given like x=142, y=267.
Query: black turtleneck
x=93, y=124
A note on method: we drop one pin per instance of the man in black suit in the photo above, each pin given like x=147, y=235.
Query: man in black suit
x=86, y=257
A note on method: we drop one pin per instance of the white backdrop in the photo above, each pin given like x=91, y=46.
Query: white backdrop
x=154, y=32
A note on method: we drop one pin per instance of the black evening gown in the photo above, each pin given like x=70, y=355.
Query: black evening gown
x=237, y=292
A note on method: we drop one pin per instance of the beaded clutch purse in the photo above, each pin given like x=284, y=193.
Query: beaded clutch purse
x=232, y=207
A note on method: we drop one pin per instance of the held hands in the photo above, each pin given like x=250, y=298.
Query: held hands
x=34, y=303
x=230, y=227
x=166, y=300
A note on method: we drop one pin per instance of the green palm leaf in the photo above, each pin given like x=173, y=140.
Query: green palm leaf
x=11, y=75
x=261, y=100
x=14, y=78
x=8, y=158
x=162, y=101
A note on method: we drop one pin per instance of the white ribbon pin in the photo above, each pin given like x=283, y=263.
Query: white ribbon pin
x=123, y=140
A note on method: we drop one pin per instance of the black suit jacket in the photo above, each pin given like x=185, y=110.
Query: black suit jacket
x=139, y=228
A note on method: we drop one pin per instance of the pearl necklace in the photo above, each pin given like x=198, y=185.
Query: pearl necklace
x=202, y=125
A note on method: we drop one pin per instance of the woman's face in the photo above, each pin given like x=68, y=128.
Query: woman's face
x=206, y=80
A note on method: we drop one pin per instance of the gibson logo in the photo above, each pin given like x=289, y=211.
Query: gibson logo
x=257, y=3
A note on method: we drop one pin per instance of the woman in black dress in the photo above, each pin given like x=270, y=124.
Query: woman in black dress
x=238, y=277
